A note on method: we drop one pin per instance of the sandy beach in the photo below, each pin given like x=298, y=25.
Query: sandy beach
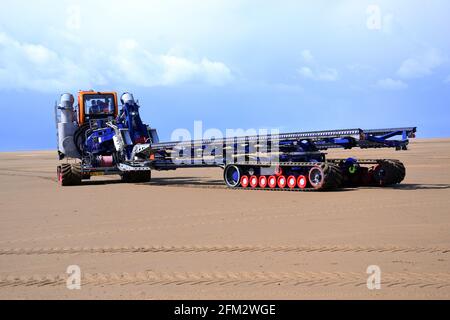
x=186, y=236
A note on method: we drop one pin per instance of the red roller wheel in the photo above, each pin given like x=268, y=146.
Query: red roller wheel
x=278, y=171
x=302, y=182
x=253, y=181
x=262, y=181
x=291, y=182
x=281, y=181
x=244, y=181
x=272, y=182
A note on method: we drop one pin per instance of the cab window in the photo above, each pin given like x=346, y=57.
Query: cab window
x=99, y=104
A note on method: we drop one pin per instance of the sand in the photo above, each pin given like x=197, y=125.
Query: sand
x=185, y=236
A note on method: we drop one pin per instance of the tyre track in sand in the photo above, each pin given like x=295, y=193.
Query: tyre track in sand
x=249, y=212
x=31, y=175
x=220, y=249
x=233, y=220
x=308, y=279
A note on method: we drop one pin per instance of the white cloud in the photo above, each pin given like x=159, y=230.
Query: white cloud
x=142, y=68
x=361, y=69
x=314, y=71
x=36, y=67
x=216, y=73
x=327, y=74
x=421, y=66
x=391, y=84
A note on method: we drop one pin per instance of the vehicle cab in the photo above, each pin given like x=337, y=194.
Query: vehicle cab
x=96, y=106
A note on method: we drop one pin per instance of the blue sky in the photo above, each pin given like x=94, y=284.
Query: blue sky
x=292, y=65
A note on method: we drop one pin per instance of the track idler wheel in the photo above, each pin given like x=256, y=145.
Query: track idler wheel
x=389, y=172
x=232, y=176
x=69, y=174
x=325, y=177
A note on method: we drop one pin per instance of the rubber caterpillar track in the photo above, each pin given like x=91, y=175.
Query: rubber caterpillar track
x=333, y=174
x=384, y=172
x=394, y=172
x=219, y=249
x=307, y=279
x=332, y=177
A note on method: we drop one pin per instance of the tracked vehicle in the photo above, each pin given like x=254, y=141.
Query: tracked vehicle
x=96, y=138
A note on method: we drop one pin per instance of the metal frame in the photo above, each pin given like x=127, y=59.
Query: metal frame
x=305, y=144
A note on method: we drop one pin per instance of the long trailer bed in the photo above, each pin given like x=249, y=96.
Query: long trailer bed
x=193, y=151
x=289, y=161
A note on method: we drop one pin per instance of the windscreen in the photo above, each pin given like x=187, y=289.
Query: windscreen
x=99, y=104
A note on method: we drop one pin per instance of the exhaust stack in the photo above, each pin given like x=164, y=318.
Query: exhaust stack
x=66, y=127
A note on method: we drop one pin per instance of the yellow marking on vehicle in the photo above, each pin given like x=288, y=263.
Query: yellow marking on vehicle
x=97, y=173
